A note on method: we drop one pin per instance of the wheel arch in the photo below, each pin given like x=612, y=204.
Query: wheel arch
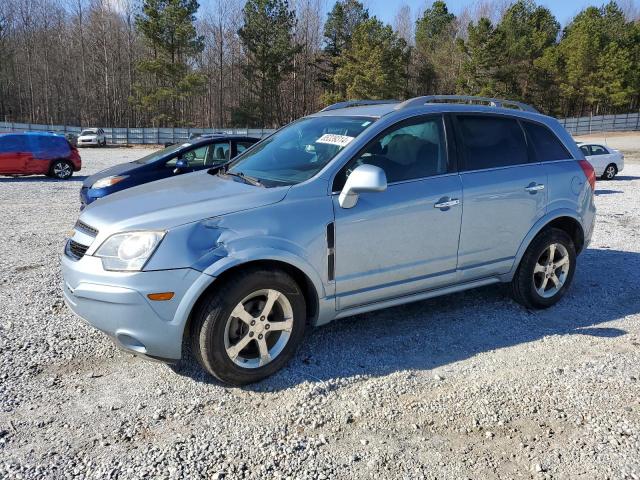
x=565, y=220
x=302, y=278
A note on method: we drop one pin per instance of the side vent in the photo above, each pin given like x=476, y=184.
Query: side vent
x=331, y=252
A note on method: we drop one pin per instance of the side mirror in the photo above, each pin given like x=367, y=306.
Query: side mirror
x=181, y=164
x=365, y=178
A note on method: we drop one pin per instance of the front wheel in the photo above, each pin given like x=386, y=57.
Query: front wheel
x=61, y=170
x=610, y=172
x=546, y=270
x=250, y=326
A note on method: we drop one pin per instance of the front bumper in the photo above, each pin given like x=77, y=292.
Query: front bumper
x=116, y=303
x=88, y=141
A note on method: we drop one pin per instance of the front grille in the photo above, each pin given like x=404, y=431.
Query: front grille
x=83, y=227
x=76, y=250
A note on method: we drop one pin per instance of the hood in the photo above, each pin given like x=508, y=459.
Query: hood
x=120, y=169
x=175, y=201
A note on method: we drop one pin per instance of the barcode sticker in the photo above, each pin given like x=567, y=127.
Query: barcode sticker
x=333, y=139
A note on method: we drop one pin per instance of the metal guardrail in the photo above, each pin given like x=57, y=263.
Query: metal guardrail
x=626, y=122
x=137, y=136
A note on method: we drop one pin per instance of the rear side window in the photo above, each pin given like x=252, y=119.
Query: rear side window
x=12, y=143
x=545, y=144
x=598, y=150
x=50, y=146
x=585, y=150
x=491, y=142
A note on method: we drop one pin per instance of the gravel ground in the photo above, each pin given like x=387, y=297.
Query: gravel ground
x=469, y=385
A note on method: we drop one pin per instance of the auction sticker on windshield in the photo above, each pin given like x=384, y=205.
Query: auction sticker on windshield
x=333, y=139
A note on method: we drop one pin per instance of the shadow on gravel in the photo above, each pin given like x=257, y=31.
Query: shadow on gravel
x=626, y=177
x=434, y=333
x=607, y=192
x=42, y=179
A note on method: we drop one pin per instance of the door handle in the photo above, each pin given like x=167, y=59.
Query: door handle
x=534, y=187
x=445, y=203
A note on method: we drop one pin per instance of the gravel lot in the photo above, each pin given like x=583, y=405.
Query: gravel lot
x=465, y=386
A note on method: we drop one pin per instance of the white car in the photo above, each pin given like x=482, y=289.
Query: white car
x=606, y=161
x=92, y=136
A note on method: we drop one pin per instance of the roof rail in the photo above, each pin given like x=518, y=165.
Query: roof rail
x=493, y=102
x=357, y=103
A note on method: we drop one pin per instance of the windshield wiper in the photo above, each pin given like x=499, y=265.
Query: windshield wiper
x=245, y=178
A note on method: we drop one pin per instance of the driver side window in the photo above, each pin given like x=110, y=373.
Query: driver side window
x=195, y=158
x=411, y=150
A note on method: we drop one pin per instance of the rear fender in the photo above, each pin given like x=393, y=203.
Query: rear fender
x=535, y=230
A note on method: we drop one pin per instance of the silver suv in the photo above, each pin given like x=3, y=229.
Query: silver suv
x=364, y=205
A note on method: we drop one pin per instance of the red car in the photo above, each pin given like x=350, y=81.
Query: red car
x=34, y=153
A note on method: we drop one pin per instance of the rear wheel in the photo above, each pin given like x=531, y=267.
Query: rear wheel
x=546, y=270
x=250, y=327
x=610, y=172
x=61, y=169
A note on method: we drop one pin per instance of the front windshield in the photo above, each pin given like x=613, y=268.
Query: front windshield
x=152, y=157
x=88, y=132
x=300, y=150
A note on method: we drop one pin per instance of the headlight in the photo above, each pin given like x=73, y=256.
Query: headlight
x=128, y=251
x=109, y=181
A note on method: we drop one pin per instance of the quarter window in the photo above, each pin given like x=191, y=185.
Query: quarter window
x=410, y=150
x=492, y=141
x=546, y=145
x=585, y=150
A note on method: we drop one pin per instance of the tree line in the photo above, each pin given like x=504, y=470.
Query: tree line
x=263, y=63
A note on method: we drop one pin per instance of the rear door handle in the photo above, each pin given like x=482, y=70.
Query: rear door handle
x=534, y=187
x=445, y=203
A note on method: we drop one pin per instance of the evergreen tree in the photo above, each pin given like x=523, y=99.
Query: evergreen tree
x=436, y=55
x=484, y=53
x=596, y=64
x=528, y=31
x=267, y=37
x=168, y=78
x=374, y=66
x=343, y=19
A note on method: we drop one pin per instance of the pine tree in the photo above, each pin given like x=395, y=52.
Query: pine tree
x=342, y=21
x=436, y=53
x=168, y=77
x=374, y=66
x=267, y=37
x=484, y=54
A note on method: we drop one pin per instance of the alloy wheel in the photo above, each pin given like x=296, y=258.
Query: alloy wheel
x=258, y=328
x=551, y=270
x=62, y=170
x=610, y=172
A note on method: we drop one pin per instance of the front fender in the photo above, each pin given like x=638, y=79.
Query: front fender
x=252, y=253
x=537, y=228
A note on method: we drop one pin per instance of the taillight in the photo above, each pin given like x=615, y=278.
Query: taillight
x=587, y=168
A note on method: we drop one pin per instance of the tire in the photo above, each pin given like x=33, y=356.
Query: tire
x=61, y=169
x=215, y=331
x=609, y=172
x=529, y=287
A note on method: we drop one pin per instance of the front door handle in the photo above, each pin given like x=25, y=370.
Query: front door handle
x=446, y=203
x=534, y=187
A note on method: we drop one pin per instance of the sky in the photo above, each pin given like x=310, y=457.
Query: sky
x=564, y=10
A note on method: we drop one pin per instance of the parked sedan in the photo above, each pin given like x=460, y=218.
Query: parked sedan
x=173, y=160
x=92, y=137
x=607, y=162
x=32, y=153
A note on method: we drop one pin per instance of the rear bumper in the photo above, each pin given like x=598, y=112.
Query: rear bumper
x=116, y=303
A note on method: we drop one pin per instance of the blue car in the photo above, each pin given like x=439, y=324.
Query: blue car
x=197, y=154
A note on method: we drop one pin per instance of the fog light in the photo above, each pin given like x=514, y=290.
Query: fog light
x=161, y=296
